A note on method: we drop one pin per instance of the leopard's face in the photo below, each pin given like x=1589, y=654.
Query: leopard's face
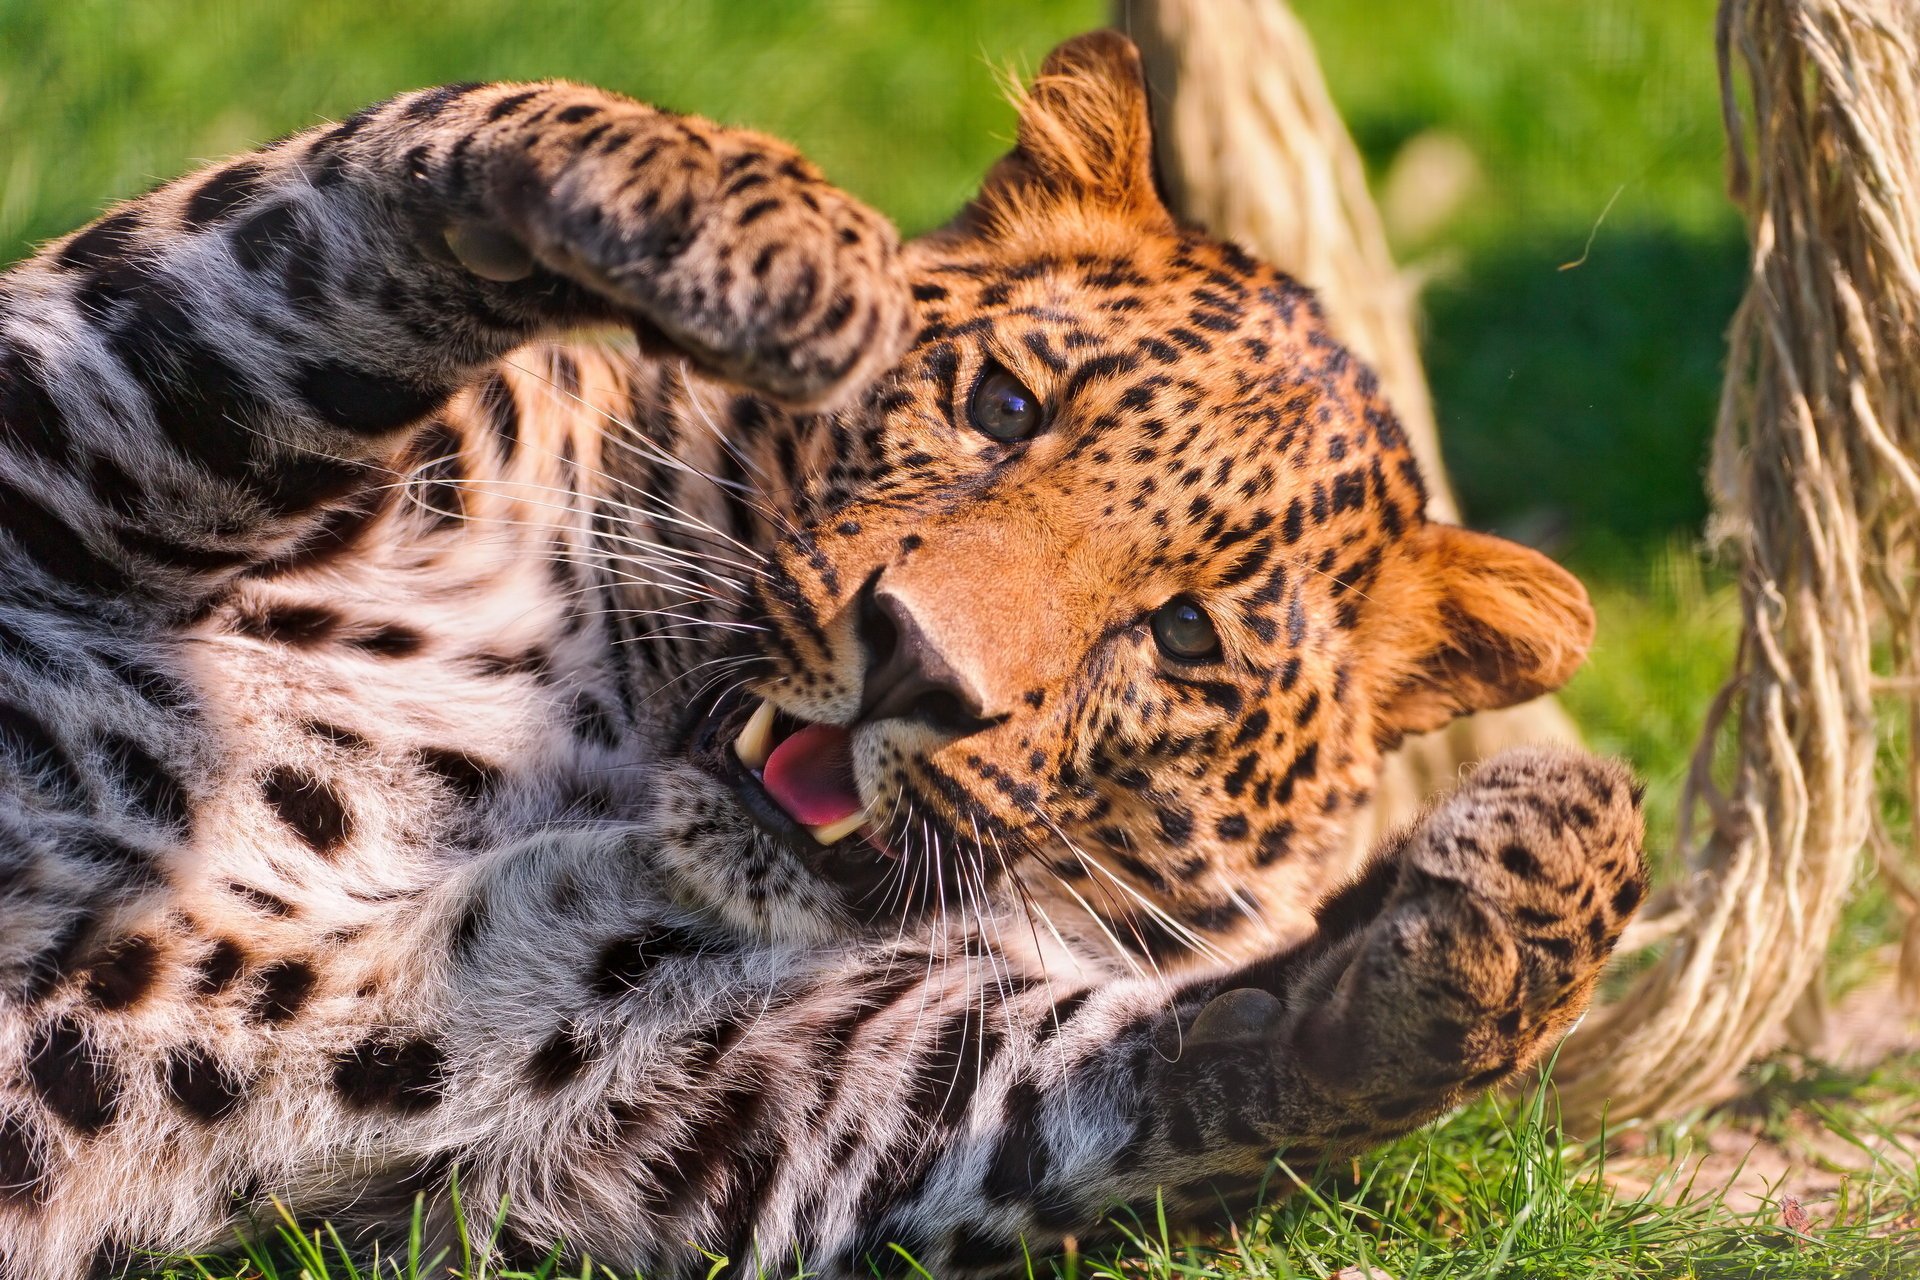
x=1113, y=591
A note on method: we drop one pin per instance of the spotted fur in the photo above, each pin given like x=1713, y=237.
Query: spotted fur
x=368, y=659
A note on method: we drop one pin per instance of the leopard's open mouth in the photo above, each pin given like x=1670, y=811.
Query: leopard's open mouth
x=793, y=778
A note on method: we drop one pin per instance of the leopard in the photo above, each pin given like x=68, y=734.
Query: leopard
x=562, y=686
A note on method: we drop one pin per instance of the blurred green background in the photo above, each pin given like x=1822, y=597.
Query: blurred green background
x=1574, y=404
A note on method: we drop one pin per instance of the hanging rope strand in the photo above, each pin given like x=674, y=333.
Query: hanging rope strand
x=1816, y=477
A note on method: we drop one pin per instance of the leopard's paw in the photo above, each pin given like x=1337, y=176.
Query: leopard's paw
x=726, y=244
x=1510, y=895
x=785, y=284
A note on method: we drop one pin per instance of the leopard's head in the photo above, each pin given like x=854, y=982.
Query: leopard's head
x=1113, y=592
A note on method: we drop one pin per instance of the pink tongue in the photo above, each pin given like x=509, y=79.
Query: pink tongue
x=810, y=775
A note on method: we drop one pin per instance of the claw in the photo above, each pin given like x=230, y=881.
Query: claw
x=489, y=252
x=1244, y=1013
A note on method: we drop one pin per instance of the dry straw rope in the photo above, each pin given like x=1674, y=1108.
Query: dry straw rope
x=1816, y=478
x=1816, y=488
x=1250, y=145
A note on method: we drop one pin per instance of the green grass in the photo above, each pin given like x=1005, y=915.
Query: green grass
x=1500, y=1191
x=1574, y=403
x=900, y=102
x=1497, y=1193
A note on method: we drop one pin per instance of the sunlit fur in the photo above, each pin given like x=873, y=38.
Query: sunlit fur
x=367, y=644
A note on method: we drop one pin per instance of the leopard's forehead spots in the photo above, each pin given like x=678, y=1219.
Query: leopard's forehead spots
x=1187, y=386
x=1202, y=417
x=1188, y=345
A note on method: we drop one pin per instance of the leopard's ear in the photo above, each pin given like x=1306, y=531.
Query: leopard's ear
x=1462, y=621
x=1085, y=141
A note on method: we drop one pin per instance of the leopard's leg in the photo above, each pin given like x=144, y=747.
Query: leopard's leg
x=1467, y=951
x=634, y=1081
x=1459, y=959
x=629, y=1086
x=190, y=383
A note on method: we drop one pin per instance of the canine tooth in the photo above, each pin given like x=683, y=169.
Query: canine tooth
x=840, y=830
x=755, y=742
x=489, y=252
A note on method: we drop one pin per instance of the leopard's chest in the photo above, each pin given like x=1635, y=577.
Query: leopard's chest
x=366, y=727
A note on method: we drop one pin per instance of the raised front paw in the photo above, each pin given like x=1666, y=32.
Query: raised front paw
x=1463, y=953
x=727, y=244
x=1509, y=897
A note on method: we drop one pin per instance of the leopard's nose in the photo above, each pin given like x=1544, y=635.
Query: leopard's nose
x=907, y=675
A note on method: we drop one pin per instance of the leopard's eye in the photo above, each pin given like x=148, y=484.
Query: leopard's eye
x=1002, y=407
x=1183, y=630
